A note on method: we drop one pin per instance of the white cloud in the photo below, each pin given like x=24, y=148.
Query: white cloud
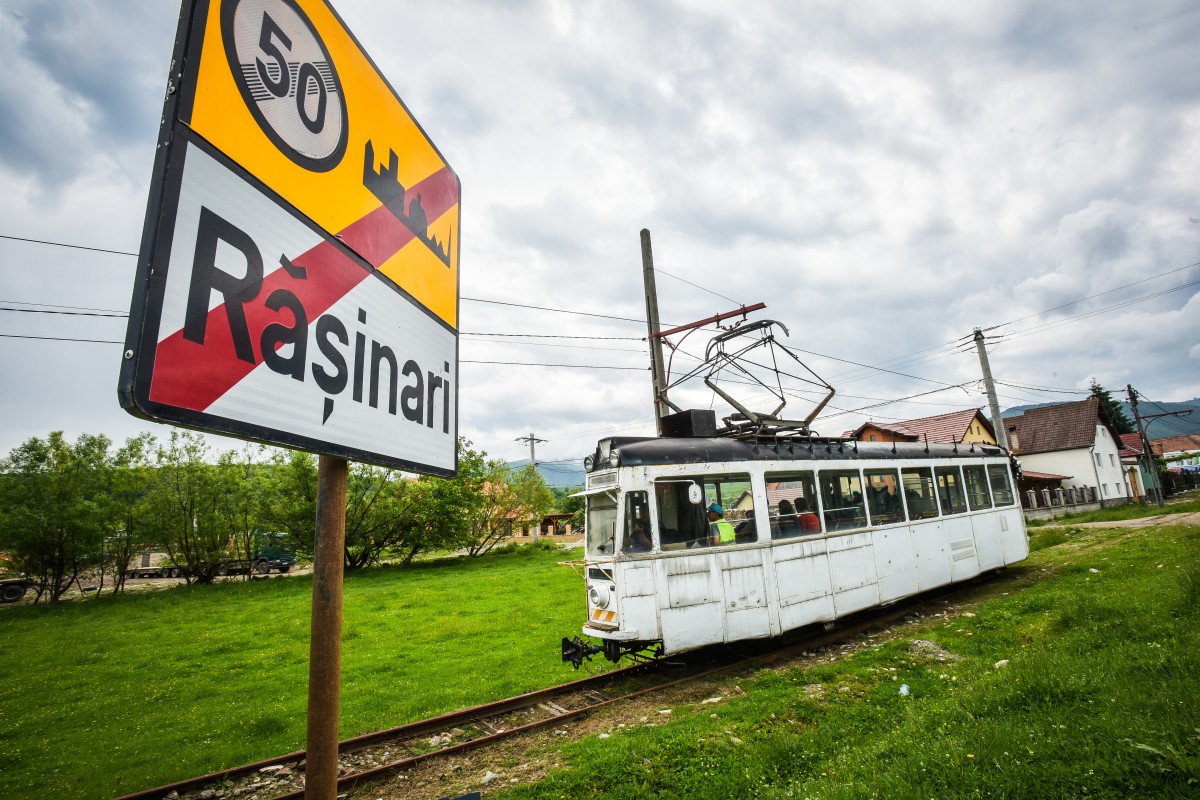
x=885, y=176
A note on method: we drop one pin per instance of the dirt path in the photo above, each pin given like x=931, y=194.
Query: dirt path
x=1192, y=518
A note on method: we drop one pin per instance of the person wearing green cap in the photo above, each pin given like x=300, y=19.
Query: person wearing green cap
x=722, y=531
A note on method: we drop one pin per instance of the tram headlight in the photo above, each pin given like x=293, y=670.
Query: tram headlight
x=589, y=463
x=598, y=596
x=614, y=459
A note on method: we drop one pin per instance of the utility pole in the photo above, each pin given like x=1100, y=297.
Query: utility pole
x=990, y=387
x=533, y=442
x=1145, y=441
x=658, y=379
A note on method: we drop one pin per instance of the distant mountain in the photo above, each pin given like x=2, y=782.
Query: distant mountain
x=1157, y=428
x=557, y=473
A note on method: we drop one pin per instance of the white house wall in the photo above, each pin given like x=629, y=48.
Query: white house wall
x=1107, y=477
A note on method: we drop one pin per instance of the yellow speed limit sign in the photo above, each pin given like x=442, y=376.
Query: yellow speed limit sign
x=298, y=281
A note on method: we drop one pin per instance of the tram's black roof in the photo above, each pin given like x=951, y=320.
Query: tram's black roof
x=664, y=450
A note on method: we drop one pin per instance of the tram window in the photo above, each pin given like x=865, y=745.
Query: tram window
x=636, y=537
x=842, y=500
x=977, y=487
x=918, y=492
x=1001, y=488
x=601, y=523
x=681, y=523
x=792, y=503
x=949, y=482
x=883, y=496
x=736, y=500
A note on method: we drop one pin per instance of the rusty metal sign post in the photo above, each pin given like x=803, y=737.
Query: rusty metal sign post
x=298, y=279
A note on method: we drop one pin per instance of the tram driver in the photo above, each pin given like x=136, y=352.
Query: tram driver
x=720, y=530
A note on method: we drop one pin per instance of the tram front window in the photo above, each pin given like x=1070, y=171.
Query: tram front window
x=635, y=538
x=601, y=524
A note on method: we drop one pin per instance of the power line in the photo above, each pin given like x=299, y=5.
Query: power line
x=59, y=339
x=72, y=246
x=117, y=315
x=568, y=366
x=549, y=336
x=1099, y=294
x=555, y=310
x=73, y=308
x=698, y=286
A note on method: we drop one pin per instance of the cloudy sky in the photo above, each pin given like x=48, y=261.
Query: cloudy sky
x=885, y=176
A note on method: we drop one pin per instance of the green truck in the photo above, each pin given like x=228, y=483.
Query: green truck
x=270, y=551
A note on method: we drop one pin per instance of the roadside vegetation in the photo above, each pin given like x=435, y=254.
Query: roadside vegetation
x=103, y=699
x=74, y=514
x=1079, y=677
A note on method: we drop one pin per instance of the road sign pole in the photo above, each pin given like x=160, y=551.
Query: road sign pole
x=325, y=647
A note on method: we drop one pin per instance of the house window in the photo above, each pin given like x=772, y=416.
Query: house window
x=1099, y=463
x=1105, y=487
x=1112, y=460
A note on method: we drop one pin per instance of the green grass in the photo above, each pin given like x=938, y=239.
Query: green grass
x=106, y=697
x=1099, y=698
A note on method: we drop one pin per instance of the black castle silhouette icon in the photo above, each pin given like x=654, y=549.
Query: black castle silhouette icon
x=383, y=183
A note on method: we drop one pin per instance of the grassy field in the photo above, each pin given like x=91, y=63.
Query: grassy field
x=1077, y=678
x=103, y=698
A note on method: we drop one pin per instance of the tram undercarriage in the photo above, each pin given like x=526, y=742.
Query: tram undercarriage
x=576, y=651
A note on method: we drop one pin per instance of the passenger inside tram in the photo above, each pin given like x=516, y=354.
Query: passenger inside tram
x=787, y=519
x=809, y=522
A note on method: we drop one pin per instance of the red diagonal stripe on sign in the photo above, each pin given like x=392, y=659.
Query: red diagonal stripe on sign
x=193, y=376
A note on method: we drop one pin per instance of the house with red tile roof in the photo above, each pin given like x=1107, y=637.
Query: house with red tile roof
x=1075, y=439
x=1182, y=453
x=1136, y=467
x=964, y=427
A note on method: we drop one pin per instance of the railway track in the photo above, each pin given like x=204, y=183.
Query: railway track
x=375, y=756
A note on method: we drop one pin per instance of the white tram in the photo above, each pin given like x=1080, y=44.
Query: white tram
x=824, y=528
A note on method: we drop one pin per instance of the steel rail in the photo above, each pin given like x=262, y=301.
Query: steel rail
x=408, y=731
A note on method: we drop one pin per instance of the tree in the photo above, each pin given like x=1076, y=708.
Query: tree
x=52, y=509
x=490, y=518
x=243, y=492
x=568, y=502
x=289, y=501
x=536, y=499
x=130, y=528
x=1112, y=408
x=188, y=497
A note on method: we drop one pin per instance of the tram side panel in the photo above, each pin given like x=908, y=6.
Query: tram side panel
x=639, y=601
x=802, y=583
x=960, y=536
x=852, y=571
x=744, y=586
x=691, y=615
x=895, y=563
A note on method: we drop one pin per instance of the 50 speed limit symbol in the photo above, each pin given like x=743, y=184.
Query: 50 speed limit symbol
x=288, y=80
